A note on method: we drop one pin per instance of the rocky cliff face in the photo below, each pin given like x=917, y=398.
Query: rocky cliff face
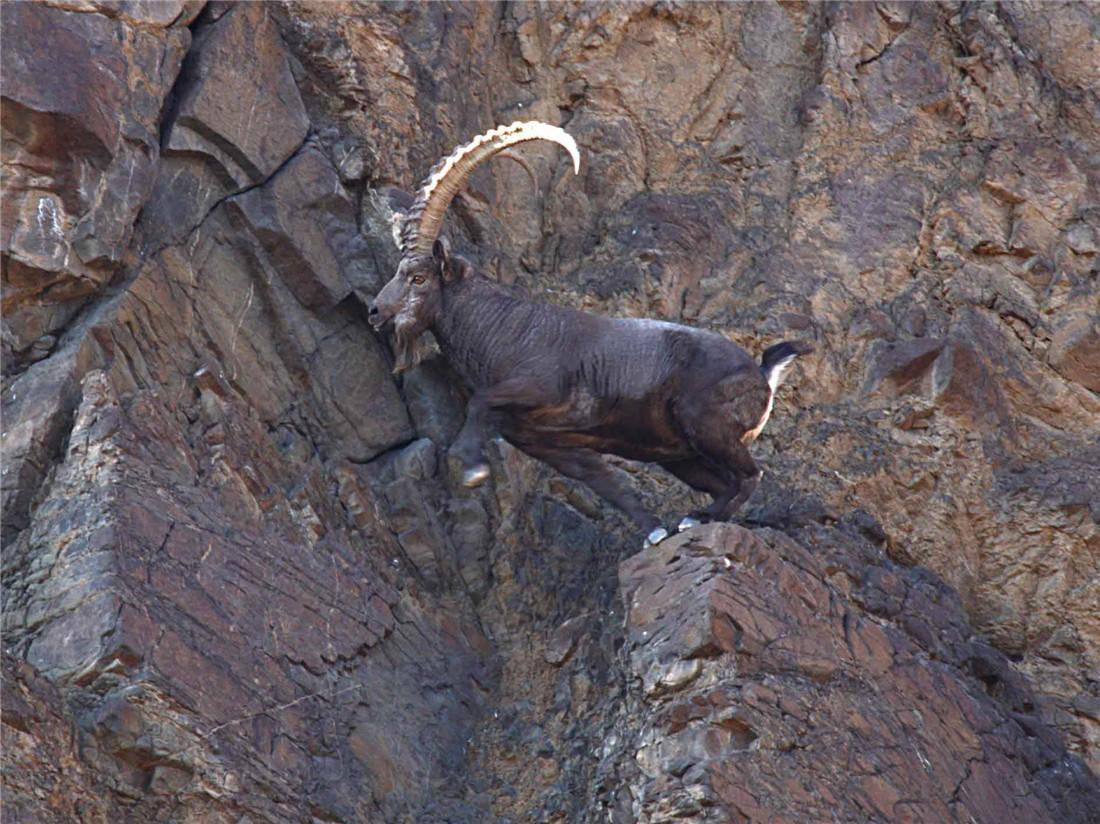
x=241, y=581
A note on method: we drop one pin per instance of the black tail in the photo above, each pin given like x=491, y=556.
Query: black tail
x=776, y=359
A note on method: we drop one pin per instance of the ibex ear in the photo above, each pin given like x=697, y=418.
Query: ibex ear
x=441, y=253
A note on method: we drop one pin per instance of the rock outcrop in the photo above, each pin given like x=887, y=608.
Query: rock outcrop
x=770, y=693
x=241, y=579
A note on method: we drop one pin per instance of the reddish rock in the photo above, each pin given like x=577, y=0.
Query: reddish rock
x=45, y=778
x=241, y=579
x=237, y=108
x=852, y=678
x=1075, y=348
x=305, y=222
x=81, y=144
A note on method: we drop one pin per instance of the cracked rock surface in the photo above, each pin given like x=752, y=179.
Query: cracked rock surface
x=242, y=580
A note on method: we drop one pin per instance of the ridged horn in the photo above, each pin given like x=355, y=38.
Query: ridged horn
x=448, y=176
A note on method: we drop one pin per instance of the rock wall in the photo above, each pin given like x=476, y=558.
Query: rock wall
x=240, y=578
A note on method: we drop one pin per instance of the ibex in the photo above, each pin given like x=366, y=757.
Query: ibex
x=565, y=386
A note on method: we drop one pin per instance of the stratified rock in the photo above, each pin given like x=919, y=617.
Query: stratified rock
x=769, y=695
x=81, y=121
x=129, y=587
x=46, y=781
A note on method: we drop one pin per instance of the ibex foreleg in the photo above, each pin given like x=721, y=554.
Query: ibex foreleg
x=745, y=476
x=520, y=393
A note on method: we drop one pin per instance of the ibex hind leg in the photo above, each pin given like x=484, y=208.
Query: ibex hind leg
x=588, y=467
x=696, y=474
x=715, y=424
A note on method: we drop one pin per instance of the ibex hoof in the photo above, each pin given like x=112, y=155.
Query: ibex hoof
x=688, y=523
x=475, y=476
x=656, y=536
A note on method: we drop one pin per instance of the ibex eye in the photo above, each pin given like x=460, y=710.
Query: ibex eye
x=418, y=280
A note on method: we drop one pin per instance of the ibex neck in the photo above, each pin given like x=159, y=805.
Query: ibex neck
x=477, y=325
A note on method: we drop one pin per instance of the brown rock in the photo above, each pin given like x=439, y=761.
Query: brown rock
x=225, y=104
x=902, y=364
x=1075, y=348
x=80, y=151
x=856, y=676
x=45, y=780
x=235, y=545
x=238, y=109
x=305, y=223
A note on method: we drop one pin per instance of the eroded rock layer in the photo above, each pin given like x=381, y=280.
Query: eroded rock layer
x=241, y=579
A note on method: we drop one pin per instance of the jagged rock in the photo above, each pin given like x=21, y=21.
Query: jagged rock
x=1075, y=348
x=241, y=578
x=304, y=221
x=902, y=364
x=768, y=682
x=238, y=109
x=156, y=12
x=80, y=152
x=45, y=778
x=240, y=105
x=141, y=580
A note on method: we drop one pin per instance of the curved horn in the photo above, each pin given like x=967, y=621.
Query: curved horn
x=447, y=177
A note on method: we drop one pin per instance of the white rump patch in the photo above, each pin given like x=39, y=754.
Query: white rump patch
x=775, y=377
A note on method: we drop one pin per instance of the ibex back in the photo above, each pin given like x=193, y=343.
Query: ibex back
x=565, y=386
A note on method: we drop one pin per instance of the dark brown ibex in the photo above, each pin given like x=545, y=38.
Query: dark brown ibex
x=565, y=386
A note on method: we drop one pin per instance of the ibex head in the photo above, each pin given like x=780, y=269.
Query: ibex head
x=412, y=297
